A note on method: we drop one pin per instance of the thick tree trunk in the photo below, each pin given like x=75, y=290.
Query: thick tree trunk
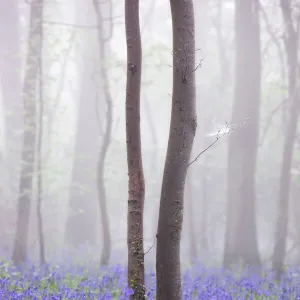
x=182, y=131
x=241, y=237
x=29, y=142
x=102, y=41
x=10, y=80
x=136, y=184
x=291, y=47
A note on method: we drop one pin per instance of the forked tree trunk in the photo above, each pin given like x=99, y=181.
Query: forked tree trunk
x=291, y=47
x=104, y=37
x=182, y=131
x=136, y=184
x=241, y=236
x=29, y=140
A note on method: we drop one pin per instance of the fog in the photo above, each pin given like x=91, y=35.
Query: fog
x=75, y=120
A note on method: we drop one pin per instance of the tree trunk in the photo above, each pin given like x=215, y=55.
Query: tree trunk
x=136, y=184
x=182, y=131
x=102, y=41
x=82, y=218
x=29, y=140
x=291, y=47
x=241, y=237
x=39, y=155
x=10, y=79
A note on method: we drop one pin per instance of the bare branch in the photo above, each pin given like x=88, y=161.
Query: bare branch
x=208, y=147
x=149, y=248
x=221, y=133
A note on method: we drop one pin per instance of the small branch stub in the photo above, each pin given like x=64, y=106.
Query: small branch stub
x=132, y=68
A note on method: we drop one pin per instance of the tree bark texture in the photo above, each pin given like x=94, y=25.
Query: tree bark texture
x=241, y=236
x=136, y=184
x=181, y=136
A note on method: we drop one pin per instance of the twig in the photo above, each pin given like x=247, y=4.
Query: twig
x=229, y=128
x=208, y=147
x=149, y=248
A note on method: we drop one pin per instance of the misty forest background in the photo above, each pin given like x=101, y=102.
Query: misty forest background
x=78, y=197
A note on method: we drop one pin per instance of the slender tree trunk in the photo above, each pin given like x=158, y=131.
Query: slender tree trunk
x=291, y=47
x=182, y=131
x=10, y=80
x=102, y=41
x=29, y=142
x=136, y=184
x=241, y=236
x=39, y=155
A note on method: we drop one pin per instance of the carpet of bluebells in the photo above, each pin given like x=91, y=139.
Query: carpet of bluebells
x=59, y=283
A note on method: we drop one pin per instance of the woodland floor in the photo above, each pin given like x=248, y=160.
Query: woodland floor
x=110, y=283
